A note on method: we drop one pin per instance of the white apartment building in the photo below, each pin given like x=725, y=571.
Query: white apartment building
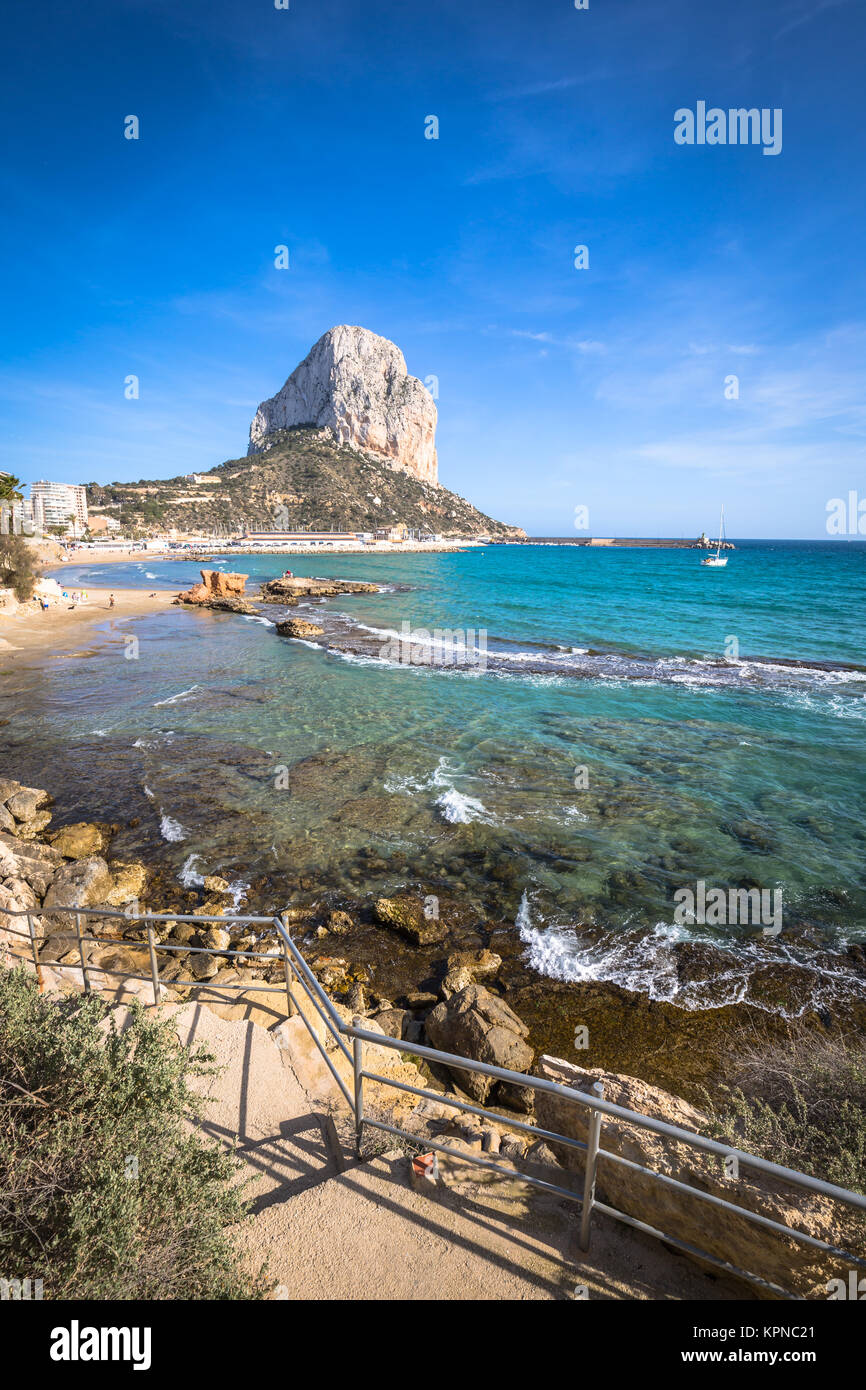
x=59, y=504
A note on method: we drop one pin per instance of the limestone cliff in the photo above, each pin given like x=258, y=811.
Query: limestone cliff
x=355, y=384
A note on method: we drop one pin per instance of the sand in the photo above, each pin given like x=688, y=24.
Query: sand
x=108, y=556
x=62, y=626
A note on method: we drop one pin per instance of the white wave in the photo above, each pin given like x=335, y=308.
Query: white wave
x=189, y=876
x=397, y=786
x=239, y=890
x=375, y=631
x=165, y=737
x=173, y=699
x=837, y=706
x=648, y=964
x=147, y=791
x=171, y=829
x=266, y=622
x=459, y=809
x=561, y=657
x=814, y=673
x=456, y=807
x=148, y=575
x=99, y=733
x=359, y=659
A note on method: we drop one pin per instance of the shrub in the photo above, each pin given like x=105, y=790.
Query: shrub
x=17, y=567
x=801, y=1102
x=106, y=1190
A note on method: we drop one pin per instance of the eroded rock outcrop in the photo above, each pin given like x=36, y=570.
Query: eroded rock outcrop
x=355, y=384
x=784, y=1262
x=223, y=592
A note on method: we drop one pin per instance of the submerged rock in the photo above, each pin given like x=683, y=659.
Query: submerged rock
x=406, y=915
x=81, y=840
x=339, y=923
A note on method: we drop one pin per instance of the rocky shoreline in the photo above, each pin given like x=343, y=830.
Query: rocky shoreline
x=397, y=970
x=396, y=957
x=467, y=1001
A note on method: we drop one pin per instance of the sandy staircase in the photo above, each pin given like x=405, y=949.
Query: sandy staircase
x=333, y=1227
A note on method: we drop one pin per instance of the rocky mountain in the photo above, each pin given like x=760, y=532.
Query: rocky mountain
x=347, y=444
x=355, y=384
x=301, y=478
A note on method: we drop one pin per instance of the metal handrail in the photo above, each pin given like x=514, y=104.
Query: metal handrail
x=599, y=1108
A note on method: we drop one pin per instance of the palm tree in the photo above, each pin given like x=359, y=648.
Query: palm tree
x=10, y=488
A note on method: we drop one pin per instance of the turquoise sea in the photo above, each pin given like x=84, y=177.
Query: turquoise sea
x=638, y=723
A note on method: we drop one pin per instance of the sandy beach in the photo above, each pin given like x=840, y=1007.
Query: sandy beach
x=64, y=626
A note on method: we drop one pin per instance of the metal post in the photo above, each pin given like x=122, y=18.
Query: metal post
x=32, y=931
x=593, y=1136
x=287, y=965
x=154, y=968
x=358, y=1067
x=84, y=975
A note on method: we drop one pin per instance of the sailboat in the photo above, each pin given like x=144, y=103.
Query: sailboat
x=716, y=561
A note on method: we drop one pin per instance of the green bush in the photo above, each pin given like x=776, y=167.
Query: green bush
x=801, y=1102
x=17, y=567
x=106, y=1191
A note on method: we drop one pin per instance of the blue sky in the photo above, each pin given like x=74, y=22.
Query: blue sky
x=558, y=387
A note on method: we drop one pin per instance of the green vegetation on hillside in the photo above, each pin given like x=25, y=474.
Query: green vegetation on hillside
x=105, y=1193
x=302, y=480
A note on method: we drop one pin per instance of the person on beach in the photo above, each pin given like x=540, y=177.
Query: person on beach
x=111, y=600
